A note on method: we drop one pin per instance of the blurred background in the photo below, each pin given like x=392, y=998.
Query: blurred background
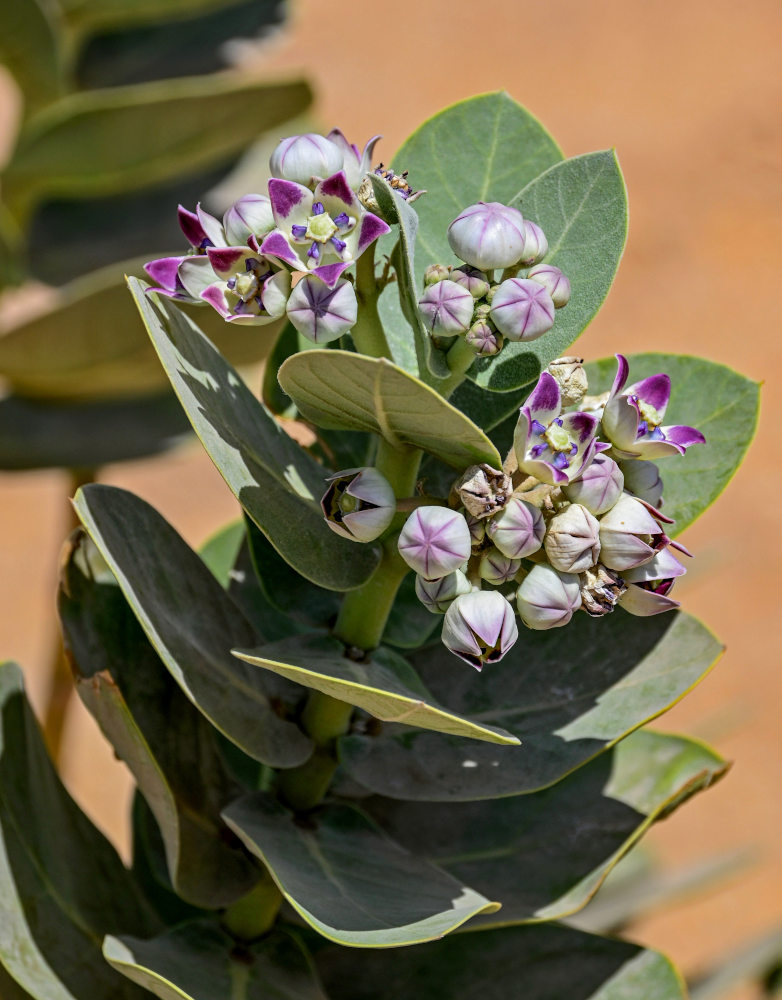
x=690, y=94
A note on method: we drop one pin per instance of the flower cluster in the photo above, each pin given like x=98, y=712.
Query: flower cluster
x=572, y=521
x=465, y=301
x=283, y=253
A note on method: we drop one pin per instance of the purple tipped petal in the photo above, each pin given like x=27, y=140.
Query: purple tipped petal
x=337, y=187
x=196, y=274
x=164, y=272
x=212, y=227
x=545, y=401
x=683, y=436
x=644, y=603
x=620, y=422
x=622, y=371
x=330, y=273
x=275, y=245
x=371, y=229
x=655, y=390
x=191, y=227
x=285, y=197
x=225, y=260
x=580, y=426
x=215, y=296
x=544, y=471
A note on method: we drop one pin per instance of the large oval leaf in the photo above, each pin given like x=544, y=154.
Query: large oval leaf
x=567, y=693
x=386, y=686
x=105, y=141
x=582, y=206
x=30, y=49
x=275, y=480
x=534, y=963
x=191, y=622
x=169, y=747
x=721, y=403
x=348, y=880
x=339, y=390
x=62, y=885
x=199, y=961
x=544, y=855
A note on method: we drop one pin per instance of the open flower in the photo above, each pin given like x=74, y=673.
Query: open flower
x=202, y=231
x=631, y=534
x=649, y=586
x=355, y=164
x=554, y=449
x=480, y=627
x=633, y=418
x=322, y=231
x=246, y=287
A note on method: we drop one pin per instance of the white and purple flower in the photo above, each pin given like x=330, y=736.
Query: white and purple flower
x=480, y=627
x=322, y=231
x=320, y=313
x=355, y=164
x=633, y=418
x=649, y=586
x=555, y=449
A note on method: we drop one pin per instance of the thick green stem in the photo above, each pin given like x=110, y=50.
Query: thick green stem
x=459, y=359
x=253, y=915
x=368, y=333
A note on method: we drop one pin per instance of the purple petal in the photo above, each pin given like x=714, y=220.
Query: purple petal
x=655, y=390
x=224, y=260
x=337, y=187
x=191, y=227
x=215, y=296
x=212, y=227
x=622, y=371
x=544, y=471
x=683, y=436
x=580, y=426
x=545, y=401
x=371, y=229
x=275, y=245
x=163, y=271
x=330, y=273
x=285, y=196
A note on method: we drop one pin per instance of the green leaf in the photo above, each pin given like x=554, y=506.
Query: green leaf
x=409, y=624
x=92, y=15
x=536, y=963
x=155, y=730
x=568, y=693
x=486, y=148
x=559, y=843
x=348, y=880
x=106, y=141
x=199, y=961
x=274, y=479
x=386, y=686
x=245, y=591
x=191, y=622
x=90, y=343
x=339, y=390
x=221, y=549
x=62, y=885
x=581, y=204
x=721, y=403
x=30, y=50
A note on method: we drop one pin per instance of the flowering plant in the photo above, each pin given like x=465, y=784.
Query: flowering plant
x=323, y=778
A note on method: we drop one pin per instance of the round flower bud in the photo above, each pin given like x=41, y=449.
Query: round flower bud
x=554, y=281
x=488, y=235
x=484, y=339
x=518, y=529
x=250, y=216
x=572, y=541
x=522, y=309
x=472, y=279
x=322, y=314
x=629, y=534
x=359, y=504
x=435, y=541
x=535, y=244
x=547, y=598
x=599, y=486
x=496, y=569
x=480, y=627
x=446, y=308
x=642, y=479
x=305, y=159
x=438, y=595
x=571, y=378
x=435, y=273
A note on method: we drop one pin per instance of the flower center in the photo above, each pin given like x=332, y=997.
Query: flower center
x=557, y=437
x=652, y=417
x=320, y=228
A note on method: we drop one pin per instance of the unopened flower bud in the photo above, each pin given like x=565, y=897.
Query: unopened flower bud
x=496, y=569
x=435, y=541
x=649, y=586
x=438, y=595
x=572, y=541
x=642, y=479
x=547, y=598
x=359, y=504
x=535, y=244
x=488, y=235
x=472, y=279
x=517, y=530
x=480, y=627
x=571, y=378
x=522, y=309
x=599, y=486
x=305, y=159
x=250, y=216
x=320, y=313
x=484, y=339
x=446, y=308
x=482, y=310
x=630, y=535
x=601, y=590
x=554, y=281
x=435, y=273
x=482, y=490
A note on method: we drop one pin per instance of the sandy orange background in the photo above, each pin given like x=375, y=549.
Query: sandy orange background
x=689, y=94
